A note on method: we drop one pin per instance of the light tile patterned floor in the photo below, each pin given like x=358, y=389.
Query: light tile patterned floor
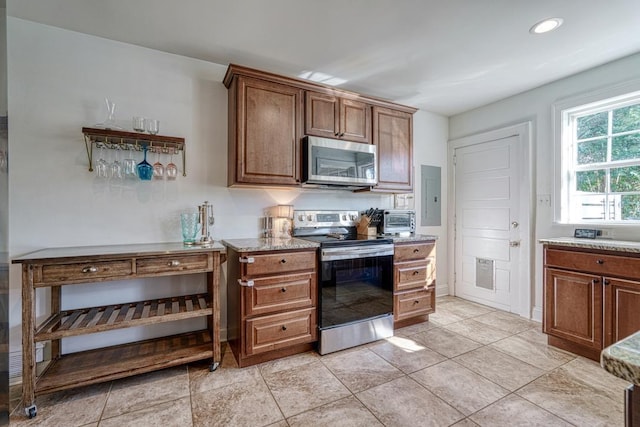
x=469, y=365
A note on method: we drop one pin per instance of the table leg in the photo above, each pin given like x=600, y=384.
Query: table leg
x=28, y=331
x=632, y=407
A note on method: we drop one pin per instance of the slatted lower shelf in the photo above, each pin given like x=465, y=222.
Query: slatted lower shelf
x=99, y=319
x=110, y=363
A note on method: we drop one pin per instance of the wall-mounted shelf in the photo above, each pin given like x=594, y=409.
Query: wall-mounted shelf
x=122, y=140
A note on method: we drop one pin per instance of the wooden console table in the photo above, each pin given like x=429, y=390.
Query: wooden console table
x=59, y=267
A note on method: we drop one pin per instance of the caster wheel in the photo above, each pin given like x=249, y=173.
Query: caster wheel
x=31, y=411
x=213, y=366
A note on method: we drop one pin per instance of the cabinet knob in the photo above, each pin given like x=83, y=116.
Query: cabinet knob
x=416, y=250
x=173, y=263
x=90, y=269
x=606, y=282
x=415, y=273
x=283, y=290
x=283, y=261
x=600, y=261
x=337, y=134
x=284, y=327
x=416, y=302
x=594, y=281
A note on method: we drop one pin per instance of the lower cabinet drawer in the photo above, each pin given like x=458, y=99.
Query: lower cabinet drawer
x=413, y=303
x=173, y=264
x=412, y=274
x=276, y=331
x=280, y=293
x=82, y=272
x=280, y=262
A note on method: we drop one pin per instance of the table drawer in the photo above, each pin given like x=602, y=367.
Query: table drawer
x=406, y=252
x=276, y=331
x=82, y=272
x=413, y=303
x=279, y=293
x=173, y=264
x=593, y=263
x=278, y=262
x=408, y=275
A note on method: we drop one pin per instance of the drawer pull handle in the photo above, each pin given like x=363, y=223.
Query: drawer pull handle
x=247, y=260
x=415, y=273
x=416, y=250
x=283, y=290
x=246, y=283
x=90, y=269
x=416, y=302
x=284, y=327
x=283, y=261
x=600, y=261
x=173, y=263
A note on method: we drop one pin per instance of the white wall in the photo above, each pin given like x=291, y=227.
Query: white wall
x=57, y=83
x=536, y=105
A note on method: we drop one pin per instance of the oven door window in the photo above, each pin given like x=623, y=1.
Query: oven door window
x=355, y=289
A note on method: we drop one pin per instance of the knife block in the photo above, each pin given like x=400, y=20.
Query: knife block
x=364, y=228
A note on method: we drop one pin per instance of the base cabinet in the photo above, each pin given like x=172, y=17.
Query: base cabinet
x=414, y=282
x=591, y=299
x=271, y=304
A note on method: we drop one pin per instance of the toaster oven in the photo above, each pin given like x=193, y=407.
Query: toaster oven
x=397, y=221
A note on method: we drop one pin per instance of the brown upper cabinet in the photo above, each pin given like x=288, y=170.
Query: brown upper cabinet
x=330, y=116
x=393, y=135
x=264, y=132
x=269, y=114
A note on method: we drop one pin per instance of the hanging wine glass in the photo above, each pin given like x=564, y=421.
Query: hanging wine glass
x=145, y=170
x=101, y=165
x=172, y=169
x=158, y=168
x=115, y=168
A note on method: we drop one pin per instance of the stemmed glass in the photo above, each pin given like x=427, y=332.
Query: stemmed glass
x=101, y=165
x=145, y=170
x=158, y=168
x=115, y=168
x=172, y=169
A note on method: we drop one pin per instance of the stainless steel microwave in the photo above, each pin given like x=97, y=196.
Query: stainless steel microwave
x=338, y=163
x=397, y=221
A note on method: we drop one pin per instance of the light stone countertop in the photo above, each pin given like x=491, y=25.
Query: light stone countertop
x=603, y=244
x=622, y=359
x=268, y=244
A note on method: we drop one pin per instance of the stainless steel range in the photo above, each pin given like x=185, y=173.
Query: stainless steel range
x=355, y=279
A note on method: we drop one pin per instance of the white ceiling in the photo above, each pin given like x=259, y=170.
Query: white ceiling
x=444, y=56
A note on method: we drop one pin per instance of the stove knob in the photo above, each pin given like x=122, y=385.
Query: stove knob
x=300, y=217
x=344, y=217
x=310, y=217
x=352, y=217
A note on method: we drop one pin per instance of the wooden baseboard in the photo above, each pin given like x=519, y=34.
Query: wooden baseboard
x=271, y=355
x=589, y=353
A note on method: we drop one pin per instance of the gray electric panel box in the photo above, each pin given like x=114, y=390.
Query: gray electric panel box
x=431, y=196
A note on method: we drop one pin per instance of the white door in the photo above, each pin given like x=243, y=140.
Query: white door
x=487, y=222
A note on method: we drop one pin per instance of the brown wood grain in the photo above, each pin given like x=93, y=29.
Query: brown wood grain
x=413, y=303
x=280, y=293
x=413, y=251
x=393, y=137
x=279, y=262
x=621, y=309
x=267, y=333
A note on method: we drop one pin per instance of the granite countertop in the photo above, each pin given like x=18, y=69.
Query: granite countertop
x=603, y=244
x=414, y=238
x=622, y=359
x=268, y=244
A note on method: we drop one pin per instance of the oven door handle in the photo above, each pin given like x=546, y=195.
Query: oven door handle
x=334, y=254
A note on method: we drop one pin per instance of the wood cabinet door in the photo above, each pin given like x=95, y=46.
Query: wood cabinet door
x=393, y=135
x=573, y=307
x=355, y=121
x=268, y=132
x=621, y=303
x=321, y=115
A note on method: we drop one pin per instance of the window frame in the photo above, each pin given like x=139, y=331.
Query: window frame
x=615, y=97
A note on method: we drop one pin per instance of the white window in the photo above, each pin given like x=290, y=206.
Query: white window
x=600, y=150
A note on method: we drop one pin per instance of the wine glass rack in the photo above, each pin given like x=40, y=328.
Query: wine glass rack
x=117, y=139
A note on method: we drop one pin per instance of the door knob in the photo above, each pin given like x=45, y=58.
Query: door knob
x=515, y=224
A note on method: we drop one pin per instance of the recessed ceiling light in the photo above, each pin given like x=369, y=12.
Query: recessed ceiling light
x=546, y=25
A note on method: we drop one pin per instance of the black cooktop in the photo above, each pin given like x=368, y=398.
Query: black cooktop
x=327, y=241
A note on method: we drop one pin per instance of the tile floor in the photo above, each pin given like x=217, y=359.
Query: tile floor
x=469, y=365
